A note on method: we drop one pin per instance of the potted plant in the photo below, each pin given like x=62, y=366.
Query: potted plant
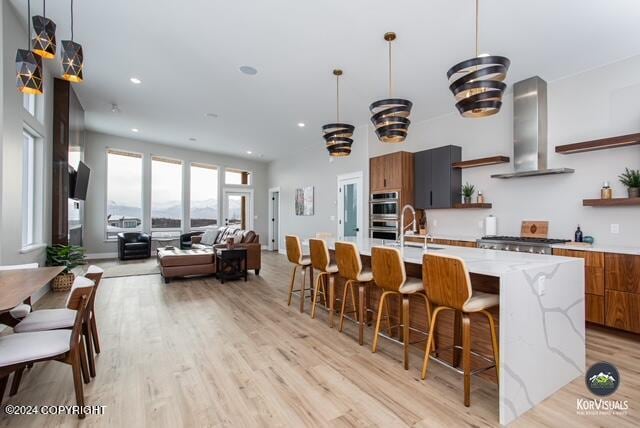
x=467, y=192
x=631, y=179
x=68, y=256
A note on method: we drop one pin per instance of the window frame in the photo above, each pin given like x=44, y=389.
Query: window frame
x=218, y=201
x=179, y=229
x=249, y=184
x=122, y=152
x=34, y=215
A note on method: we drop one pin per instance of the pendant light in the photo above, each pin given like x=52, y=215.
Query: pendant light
x=28, y=65
x=44, y=42
x=72, y=57
x=477, y=83
x=338, y=135
x=391, y=116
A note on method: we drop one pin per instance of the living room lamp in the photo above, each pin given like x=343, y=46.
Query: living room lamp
x=28, y=65
x=72, y=57
x=44, y=42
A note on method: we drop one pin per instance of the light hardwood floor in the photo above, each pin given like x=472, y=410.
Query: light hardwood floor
x=199, y=353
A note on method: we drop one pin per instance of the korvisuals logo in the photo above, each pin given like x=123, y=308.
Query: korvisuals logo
x=602, y=379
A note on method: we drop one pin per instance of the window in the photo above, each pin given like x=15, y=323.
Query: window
x=204, y=196
x=124, y=193
x=236, y=176
x=166, y=194
x=32, y=190
x=29, y=103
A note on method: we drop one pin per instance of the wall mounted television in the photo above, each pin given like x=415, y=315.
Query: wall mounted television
x=79, y=182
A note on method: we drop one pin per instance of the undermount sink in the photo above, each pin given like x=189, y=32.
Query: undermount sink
x=411, y=244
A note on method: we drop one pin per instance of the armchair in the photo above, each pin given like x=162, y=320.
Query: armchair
x=133, y=245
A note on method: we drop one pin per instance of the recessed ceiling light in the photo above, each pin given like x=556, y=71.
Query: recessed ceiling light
x=249, y=152
x=193, y=139
x=301, y=124
x=211, y=115
x=135, y=81
x=135, y=129
x=246, y=69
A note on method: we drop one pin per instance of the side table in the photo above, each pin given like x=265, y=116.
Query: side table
x=231, y=263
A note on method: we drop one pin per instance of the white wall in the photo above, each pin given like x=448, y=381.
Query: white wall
x=96, y=145
x=311, y=167
x=14, y=116
x=595, y=104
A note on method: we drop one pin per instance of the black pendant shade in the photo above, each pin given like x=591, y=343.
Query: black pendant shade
x=390, y=118
x=338, y=138
x=44, y=42
x=72, y=61
x=477, y=85
x=28, y=72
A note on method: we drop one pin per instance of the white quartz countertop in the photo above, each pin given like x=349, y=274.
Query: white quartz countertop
x=478, y=260
x=466, y=238
x=601, y=248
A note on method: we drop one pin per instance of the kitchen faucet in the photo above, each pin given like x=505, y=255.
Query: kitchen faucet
x=403, y=227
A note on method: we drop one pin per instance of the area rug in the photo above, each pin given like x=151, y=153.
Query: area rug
x=119, y=268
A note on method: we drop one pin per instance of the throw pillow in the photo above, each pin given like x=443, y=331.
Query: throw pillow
x=209, y=237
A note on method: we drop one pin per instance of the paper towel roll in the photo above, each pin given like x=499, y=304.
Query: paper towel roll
x=490, y=226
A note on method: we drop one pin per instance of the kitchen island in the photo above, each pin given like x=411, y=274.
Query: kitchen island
x=541, y=317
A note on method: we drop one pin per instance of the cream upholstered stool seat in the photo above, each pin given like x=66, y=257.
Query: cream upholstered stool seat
x=390, y=275
x=350, y=267
x=448, y=286
x=327, y=271
x=22, y=310
x=295, y=256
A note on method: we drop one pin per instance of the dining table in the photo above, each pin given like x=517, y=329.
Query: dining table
x=18, y=285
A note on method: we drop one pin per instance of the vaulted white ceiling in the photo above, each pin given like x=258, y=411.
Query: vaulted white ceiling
x=187, y=54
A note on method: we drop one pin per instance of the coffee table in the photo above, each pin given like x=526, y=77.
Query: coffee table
x=231, y=263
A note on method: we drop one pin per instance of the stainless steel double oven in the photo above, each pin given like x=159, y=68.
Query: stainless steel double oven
x=384, y=215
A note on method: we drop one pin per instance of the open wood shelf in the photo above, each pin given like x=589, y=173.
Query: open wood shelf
x=460, y=206
x=615, y=202
x=492, y=160
x=602, y=144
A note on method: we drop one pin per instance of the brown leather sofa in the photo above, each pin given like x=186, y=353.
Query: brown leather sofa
x=247, y=239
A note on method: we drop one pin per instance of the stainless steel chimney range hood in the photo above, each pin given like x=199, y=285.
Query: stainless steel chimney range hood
x=530, y=130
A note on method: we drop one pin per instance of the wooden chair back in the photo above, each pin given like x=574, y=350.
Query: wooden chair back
x=348, y=260
x=320, y=258
x=446, y=280
x=81, y=287
x=94, y=273
x=81, y=300
x=294, y=249
x=388, y=268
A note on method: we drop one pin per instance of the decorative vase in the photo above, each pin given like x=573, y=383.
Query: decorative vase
x=63, y=282
x=229, y=243
x=467, y=199
x=634, y=192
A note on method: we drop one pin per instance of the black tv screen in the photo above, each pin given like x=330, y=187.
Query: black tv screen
x=79, y=182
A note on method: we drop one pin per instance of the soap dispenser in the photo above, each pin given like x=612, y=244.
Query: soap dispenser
x=578, y=235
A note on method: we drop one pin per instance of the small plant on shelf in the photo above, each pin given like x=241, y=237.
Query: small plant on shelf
x=631, y=179
x=467, y=192
x=68, y=256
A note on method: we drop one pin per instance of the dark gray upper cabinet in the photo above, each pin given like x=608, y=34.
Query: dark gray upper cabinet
x=437, y=184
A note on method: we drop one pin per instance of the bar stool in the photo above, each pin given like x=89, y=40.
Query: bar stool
x=448, y=285
x=350, y=268
x=390, y=275
x=321, y=261
x=294, y=254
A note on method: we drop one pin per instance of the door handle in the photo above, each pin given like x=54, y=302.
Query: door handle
x=357, y=229
x=385, y=182
x=430, y=197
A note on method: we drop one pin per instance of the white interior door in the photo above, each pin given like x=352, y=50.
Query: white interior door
x=274, y=220
x=237, y=209
x=350, y=209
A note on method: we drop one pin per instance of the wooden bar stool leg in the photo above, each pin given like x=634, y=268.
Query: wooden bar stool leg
x=316, y=290
x=332, y=298
x=302, y=288
x=374, y=348
x=361, y=311
x=388, y=318
x=344, y=301
x=457, y=338
x=494, y=342
x=430, y=340
x=324, y=291
x=466, y=357
x=405, y=330
x=293, y=280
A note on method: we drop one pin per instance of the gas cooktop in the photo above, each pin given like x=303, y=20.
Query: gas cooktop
x=518, y=243
x=524, y=240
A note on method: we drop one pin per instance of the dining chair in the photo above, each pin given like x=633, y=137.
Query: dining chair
x=20, y=350
x=21, y=310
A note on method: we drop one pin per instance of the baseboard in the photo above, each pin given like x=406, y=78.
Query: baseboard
x=264, y=247
x=282, y=251
x=98, y=256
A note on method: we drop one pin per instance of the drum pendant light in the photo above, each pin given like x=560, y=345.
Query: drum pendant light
x=477, y=83
x=72, y=57
x=391, y=116
x=28, y=65
x=338, y=135
x=44, y=42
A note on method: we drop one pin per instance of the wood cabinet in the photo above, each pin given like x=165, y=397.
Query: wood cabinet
x=391, y=172
x=437, y=183
x=612, y=288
